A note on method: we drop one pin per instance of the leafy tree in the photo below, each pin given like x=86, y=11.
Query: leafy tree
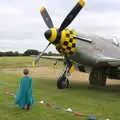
x=30, y=52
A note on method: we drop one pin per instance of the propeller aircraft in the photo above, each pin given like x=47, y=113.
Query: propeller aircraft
x=96, y=55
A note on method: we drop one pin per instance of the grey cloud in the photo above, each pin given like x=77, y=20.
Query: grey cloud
x=23, y=27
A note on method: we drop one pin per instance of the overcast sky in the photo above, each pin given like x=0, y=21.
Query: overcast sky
x=22, y=27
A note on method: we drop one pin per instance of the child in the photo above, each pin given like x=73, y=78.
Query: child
x=24, y=96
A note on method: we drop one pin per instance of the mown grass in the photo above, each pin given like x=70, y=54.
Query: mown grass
x=103, y=103
x=20, y=62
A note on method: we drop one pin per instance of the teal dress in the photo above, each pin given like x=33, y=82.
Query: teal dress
x=24, y=95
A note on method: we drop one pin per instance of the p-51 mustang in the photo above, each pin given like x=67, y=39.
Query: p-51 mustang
x=99, y=56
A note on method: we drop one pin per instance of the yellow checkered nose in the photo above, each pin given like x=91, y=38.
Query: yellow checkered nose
x=68, y=42
x=64, y=40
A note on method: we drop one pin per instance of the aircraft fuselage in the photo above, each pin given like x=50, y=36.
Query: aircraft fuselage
x=91, y=53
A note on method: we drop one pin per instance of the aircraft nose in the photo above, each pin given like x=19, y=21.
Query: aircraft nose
x=48, y=34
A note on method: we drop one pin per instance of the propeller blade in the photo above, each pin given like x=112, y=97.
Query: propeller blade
x=39, y=56
x=73, y=13
x=46, y=17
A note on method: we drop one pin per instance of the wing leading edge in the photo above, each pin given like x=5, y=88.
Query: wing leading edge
x=109, y=62
x=60, y=58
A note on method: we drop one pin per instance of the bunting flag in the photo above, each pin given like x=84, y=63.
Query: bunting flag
x=78, y=114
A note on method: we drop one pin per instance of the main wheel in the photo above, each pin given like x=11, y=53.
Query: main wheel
x=62, y=82
x=97, y=77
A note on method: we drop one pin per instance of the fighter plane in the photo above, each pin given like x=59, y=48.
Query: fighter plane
x=96, y=55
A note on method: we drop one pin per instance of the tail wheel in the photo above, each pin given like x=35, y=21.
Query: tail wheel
x=62, y=82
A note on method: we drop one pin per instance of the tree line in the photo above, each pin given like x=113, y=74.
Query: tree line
x=29, y=52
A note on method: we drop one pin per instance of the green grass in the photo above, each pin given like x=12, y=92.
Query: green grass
x=81, y=97
x=20, y=62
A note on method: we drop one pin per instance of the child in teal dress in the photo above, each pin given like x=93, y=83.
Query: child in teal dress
x=24, y=97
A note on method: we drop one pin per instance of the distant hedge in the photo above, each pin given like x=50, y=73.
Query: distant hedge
x=28, y=52
x=10, y=53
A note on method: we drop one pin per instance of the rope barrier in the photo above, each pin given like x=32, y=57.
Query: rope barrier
x=75, y=113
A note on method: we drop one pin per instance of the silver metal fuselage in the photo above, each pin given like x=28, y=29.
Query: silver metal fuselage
x=90, y=54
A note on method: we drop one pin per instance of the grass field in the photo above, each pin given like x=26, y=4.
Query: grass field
x=103, y=103
x=21, y=62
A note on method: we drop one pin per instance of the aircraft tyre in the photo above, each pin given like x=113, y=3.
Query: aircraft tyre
x=62, y=82
x=97, y=77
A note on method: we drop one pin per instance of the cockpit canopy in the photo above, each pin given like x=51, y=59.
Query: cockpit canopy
x=116, y=42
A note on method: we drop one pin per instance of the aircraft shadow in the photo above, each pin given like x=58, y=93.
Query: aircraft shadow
x=85, y=85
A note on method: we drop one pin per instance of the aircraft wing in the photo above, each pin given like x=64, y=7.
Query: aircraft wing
x=109, y=62
x=60, y=58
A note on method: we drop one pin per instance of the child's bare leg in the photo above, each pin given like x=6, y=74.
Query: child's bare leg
x=28, y=107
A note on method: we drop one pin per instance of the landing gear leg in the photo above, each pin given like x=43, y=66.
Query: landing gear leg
x=63, y=81
x=97, y=77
